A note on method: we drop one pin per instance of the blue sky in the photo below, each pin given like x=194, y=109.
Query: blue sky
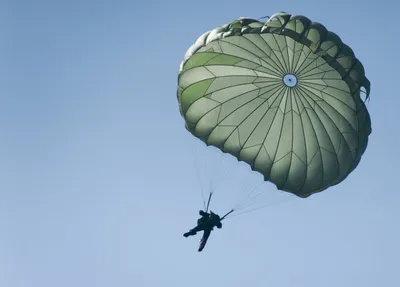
x=97, y=175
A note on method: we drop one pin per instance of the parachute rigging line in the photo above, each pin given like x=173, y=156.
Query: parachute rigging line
x=198, y=177
x=223, y=217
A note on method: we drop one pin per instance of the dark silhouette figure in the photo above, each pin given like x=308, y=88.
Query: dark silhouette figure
x=205, y=223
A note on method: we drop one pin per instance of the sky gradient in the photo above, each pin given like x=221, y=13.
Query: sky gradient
x=97, y=172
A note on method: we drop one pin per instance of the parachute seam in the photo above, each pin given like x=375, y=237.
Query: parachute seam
x=237, y=126
x=273, y=52
x=283, y=63
x=233, y=55
x=220, y=105
x=266, y=55
x=229, y=43
x=290, y=59
x=316, y=137
x=223, y=144
x=325, y=86
x=293, y=56
x=323, y=71
x=325, y=62
x=299, y=67
x=301, y=71
x=240, y=95
x=204, y=95
x=224, y=88
x=288, y=55
x=307, y=84
x=330, y=138
x=346, y=120
x=304, y=138
x=343, y=139
x=254, y=44
x=286, y=60
x=280, y=135
x=266, y=134
x=277, y=90
x=279, y=64
x=291, y=149
x=296, y=63
x=258, y=96
x=199, y=97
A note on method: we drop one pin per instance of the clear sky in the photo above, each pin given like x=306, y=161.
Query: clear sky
x=97, y=174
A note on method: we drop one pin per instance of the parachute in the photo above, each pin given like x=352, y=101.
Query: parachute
x=283, y=96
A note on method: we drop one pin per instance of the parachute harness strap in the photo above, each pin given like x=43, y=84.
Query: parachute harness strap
x=209, y=200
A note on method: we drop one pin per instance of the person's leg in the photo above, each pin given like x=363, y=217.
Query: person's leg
x=193, y=231
x=204, y=239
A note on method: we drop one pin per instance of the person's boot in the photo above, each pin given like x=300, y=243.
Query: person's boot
x=191, y=232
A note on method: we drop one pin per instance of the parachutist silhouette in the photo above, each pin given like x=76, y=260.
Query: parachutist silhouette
x=205, y=223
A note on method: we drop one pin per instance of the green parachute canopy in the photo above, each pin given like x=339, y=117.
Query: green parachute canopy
x=283, y=96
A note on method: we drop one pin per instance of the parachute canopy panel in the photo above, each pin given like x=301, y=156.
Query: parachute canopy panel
x=282, y=96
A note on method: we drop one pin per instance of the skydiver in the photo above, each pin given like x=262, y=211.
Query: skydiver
x=205, y=223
